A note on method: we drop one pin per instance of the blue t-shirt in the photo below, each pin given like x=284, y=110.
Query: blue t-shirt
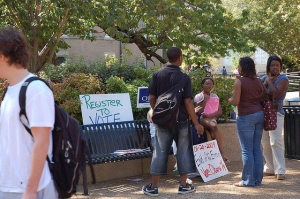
x=280, y=99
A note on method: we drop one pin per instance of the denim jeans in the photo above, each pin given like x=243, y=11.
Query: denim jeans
x=250, y=129
x=181, y=133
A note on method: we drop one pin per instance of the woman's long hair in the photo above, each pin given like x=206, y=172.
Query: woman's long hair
x=247, y=67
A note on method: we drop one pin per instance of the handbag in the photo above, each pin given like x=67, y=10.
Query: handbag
x=270, y=108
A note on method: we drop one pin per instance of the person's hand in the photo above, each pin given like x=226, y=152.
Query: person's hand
x=150, y=113
x=270, y=79
x=198, y=110
x=229, y=100
x=29, y=195
x=206, y=97
x=199, y=128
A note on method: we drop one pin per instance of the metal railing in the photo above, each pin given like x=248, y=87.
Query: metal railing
x=294, y=81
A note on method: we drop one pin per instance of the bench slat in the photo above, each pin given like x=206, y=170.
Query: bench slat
x=104, y=139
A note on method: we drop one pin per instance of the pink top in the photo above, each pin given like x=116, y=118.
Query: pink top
x=212, y=105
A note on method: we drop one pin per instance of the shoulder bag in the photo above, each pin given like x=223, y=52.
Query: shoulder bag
x=270, y=108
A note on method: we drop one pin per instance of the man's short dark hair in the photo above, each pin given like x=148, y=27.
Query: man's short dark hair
x=173, y=54
x=13, y=46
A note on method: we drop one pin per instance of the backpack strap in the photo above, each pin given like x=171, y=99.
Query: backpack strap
x=22, y=103
x=22, y=99
x=180, y=83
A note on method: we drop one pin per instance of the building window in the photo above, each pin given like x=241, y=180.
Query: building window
x=61, y=60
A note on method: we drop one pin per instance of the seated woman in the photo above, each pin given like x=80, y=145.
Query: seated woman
x=207, y=106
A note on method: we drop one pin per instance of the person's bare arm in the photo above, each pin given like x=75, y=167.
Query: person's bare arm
x=199, y=107
x=41, y=137
x=188, y=103
x=152, y=100
x=235, y=99
x=150, y=113
x=279, y=89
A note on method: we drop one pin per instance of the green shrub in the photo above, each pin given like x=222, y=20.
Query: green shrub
x=70, y=80
x=223, y=88
x=54, y=73
x=139, y=113
x=3, y=85
x=196, y=78
x=67, y=92
x=115, y=84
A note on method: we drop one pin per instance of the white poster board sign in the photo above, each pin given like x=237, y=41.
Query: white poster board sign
x=209, y=161
x=105, y=108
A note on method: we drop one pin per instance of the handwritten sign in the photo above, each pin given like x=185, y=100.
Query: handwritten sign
x=143, y=98
x=209, y=161
x=105, y=108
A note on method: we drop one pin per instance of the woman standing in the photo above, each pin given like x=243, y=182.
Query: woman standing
x=272, y=141
x=246, y=96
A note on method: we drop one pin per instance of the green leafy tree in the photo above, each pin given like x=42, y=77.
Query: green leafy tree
x=199, y=27
x=273, y=25
x=44, y=22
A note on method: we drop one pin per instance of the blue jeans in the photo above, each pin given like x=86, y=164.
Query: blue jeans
x=250, y=129
x=181, y=133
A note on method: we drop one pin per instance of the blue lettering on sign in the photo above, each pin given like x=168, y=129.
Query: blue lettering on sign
x=105, y=119
x=99, y=104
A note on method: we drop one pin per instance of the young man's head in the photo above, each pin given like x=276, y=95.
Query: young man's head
x=13, y=47
x=174, y=55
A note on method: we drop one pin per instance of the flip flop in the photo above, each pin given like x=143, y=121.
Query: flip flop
x=239, y=184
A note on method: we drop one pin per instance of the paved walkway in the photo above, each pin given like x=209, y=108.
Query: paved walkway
x=219, y=188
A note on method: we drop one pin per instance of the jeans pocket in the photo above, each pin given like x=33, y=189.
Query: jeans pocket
x=183, y=124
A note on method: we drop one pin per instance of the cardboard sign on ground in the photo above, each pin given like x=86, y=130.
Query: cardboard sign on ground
x=209, y=161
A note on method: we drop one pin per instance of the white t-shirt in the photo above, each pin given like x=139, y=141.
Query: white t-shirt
x=16, y=144
x=152, y=127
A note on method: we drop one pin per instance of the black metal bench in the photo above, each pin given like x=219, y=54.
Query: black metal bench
x=111, y=142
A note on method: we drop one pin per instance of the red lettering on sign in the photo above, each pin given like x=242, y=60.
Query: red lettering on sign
x=206, y=172
x=210, y=145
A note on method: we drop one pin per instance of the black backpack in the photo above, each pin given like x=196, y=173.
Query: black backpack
x=69, y=155
x=166, y=109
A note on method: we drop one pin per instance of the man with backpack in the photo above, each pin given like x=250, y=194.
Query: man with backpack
x=162, y=81
x=25, y=171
